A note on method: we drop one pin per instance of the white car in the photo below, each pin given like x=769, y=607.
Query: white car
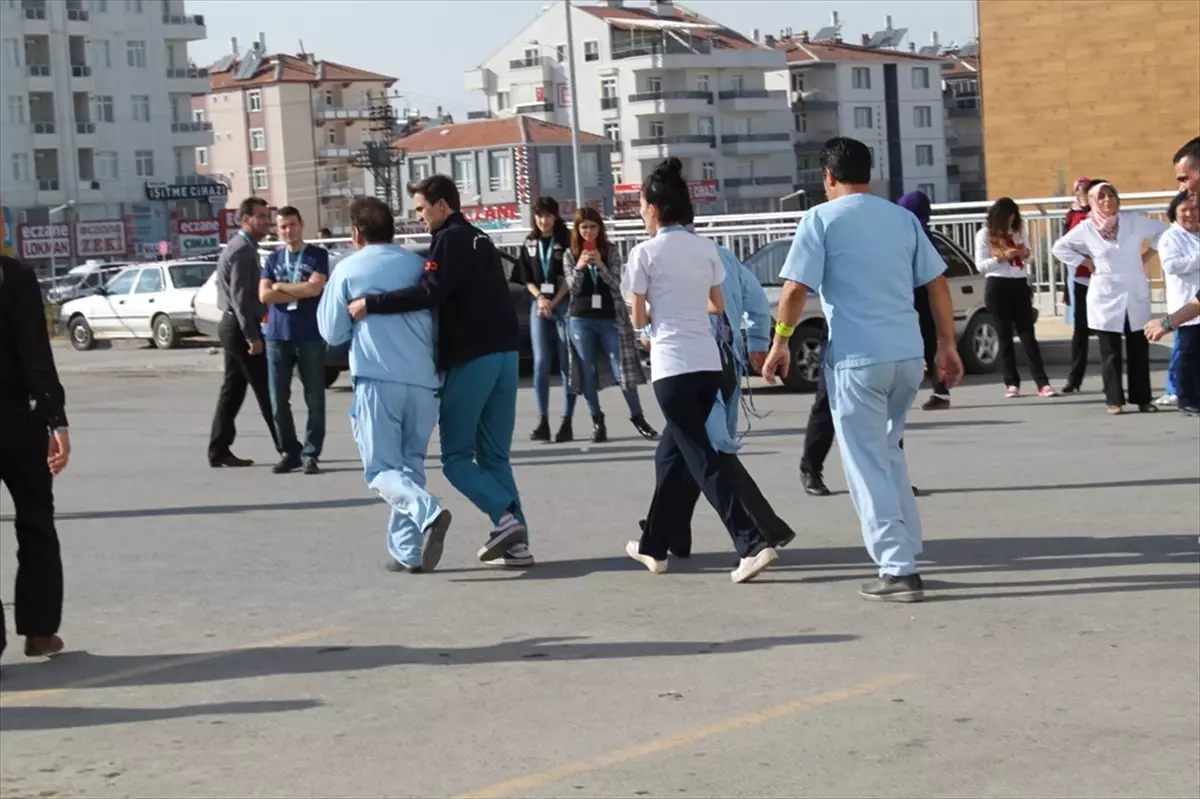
x=150, y=301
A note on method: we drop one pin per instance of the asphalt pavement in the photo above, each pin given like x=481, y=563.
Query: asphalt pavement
x=233, y=633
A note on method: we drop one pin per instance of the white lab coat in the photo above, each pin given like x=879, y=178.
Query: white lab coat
x=1119, y=286
x=1179, y=254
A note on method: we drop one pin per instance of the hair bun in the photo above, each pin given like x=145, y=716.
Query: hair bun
x=669, y=168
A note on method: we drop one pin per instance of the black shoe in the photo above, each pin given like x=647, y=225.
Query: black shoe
x=644, y=430
x=1070, y=388
x=813, y=485
x=288, y=463
x=916, y=491
x=311, y=466
x=230, y=462
x=936, y=403
x=393, y=565
x=599, y=429
x=894, y=589
x=542, y=431
x=434, y=541
x=1189, y=410
x=565, y=431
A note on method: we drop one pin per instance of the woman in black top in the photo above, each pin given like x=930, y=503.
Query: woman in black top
x=541, y=270
x=598, y=323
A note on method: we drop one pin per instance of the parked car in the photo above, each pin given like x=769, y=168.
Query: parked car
x=148, y=301
x=82, y=281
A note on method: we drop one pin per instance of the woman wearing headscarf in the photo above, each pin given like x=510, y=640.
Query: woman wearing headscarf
x=1118, y=302
x=1076, y=294
x=1179, y=254
x=919, y=204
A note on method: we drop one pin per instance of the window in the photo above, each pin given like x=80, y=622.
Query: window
x=861, y=77
x=705, y=126
x=549, y=176
x=97, y=55
x=500, y=170
x=702, y=83
x=331, y=136
x=254, y=100
x=608, y=87
x=151, y=280
x=419, y=170
x=122, y=283
x=863, y=118
x=201, y=156
x=801, y=121
x=737, y=82
x=258, y=176
x=920, y=77
x=197, y=114
x=135, y=53
x=98, y=6
x=956, y=265
x=104, y=165
x=797, y=81
x=258, y=139
x=591, y=50
x=612, y=131
x=656, y=129
x=102, y=108
x=589, y=166
x=20, y=167
x=502, y=101
x=12, y=53
x=928, y=189
x=922, y=116
x=464, y=173
x=133, y=6
x=618, y=173
x=141, y=108
x=654, y=85
x=530, y=55
x=741, y=126
x=924, y=155
x=16, y=109
x=144, y=163
x=560, y=53
x=708, y=170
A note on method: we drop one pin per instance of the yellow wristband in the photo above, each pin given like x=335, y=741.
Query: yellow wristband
x=784, y=331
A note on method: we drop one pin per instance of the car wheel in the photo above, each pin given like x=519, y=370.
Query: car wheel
x=80, y=333
x=331, y=375
x=808, y=350
x=980, y=345
x=166, y=337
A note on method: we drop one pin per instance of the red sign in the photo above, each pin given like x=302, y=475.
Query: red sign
x=228, y=219
x=564, y=95
x=100, y=239
x=627, y=196
x=539, y=94
x=508, y=212
x=566, y=208
x=39, y=242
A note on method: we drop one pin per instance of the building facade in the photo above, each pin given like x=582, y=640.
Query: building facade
x=97, y=112
x=1079, y=88
x=292, y=129
x=964, y=129
x=660, y=81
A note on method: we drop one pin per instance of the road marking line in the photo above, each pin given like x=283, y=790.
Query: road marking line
x=514, y=786
x=17, y=697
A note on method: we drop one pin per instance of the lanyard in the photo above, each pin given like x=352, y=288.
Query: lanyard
x=293, y=268
x=246, y=236
x=547, y=256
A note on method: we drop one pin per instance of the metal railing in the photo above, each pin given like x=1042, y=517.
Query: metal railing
x=681, y=94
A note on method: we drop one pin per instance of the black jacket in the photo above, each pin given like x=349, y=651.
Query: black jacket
x=27, y=372
x=529, y=263
x=465, y=283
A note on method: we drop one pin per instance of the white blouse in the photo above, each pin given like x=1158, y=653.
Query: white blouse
x=1179, y=254
x=988, y=264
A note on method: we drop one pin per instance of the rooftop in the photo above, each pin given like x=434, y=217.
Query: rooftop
x=484, y=133
x=286, y=68
x=672, y=18
x=801, y=51
x=958, y=67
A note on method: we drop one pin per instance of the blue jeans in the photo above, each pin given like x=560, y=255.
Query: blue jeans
x=549, y=338
x=591, y=338
x=392, y=424
x=869, y=406
x=283, y=359
x=478, y=413
x=1173, y=369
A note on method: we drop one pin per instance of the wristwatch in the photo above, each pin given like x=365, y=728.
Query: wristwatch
x=1166, y=323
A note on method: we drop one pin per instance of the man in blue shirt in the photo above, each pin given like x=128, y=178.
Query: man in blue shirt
x=395, y=383
x=865, y=256
x=293, y=277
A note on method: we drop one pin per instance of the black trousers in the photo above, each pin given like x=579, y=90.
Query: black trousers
x=1010, y=302
x=929, y=338
x=1187, y=371
x=1137, y=351
x=38, y=600
x=241, y=370
x=1079, y=339
x=685, y=458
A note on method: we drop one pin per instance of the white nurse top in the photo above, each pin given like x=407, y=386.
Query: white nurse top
x=1179, y=254
x=1119, y=286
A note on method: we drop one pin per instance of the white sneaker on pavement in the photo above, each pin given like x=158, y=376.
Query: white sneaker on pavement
x=751, y=567
x=503, y=535
x=517, y=556
x=656, y=566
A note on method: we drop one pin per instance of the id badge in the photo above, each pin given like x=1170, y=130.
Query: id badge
x=597, y=302
x=548, y=288
x=291, y=306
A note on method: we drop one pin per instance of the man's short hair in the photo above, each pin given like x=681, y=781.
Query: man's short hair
x=1190, y=151
x=247, y=206
x=371, y=217
x=848, y=160
x=290, y=210
x=434, y=188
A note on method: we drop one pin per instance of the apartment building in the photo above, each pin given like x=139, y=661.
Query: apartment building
x=97, y=114
x=291, y=129
x=887, y=98
x=964, y=129
x=659, y=80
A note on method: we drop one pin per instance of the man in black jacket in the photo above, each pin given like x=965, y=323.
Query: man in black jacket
x=34, y=447
x=477, y=340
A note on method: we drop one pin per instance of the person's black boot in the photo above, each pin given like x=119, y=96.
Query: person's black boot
x=644, y=429
x=599, y=429
x=813, y=485
x=542, y=431
x=565, y=431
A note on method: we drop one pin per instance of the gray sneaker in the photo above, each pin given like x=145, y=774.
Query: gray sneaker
x=434, y=541
x=894, y=589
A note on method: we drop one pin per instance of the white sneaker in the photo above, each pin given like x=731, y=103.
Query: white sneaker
x=1167, y=400
x=751, y=567
x=503, y=535
x=656, y=566
x=517, y=556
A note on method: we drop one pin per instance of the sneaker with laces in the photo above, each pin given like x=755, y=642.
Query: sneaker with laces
x=887, y=588
x=1167, y=400
x=517, y=556
x=1047, y=391
x=504, y=535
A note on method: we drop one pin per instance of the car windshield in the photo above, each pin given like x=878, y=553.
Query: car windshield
x=190, y=276
x=766, y=263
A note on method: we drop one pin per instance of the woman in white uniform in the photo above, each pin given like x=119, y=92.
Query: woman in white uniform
x=1109, y=242
x=1179, y=254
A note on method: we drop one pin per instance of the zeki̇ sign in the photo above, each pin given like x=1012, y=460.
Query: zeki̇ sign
x=99, y=239
x=42, y=242
x=197, y=236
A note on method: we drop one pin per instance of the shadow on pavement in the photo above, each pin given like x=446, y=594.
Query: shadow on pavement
x=57, y=718
x=799, y=431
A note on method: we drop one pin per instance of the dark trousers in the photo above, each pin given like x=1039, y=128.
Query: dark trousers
x=1187, y=378
x=684, y=458
x=284, y=359
x=929, y=339
x=1010, y=303
x=1137, y=351
x=819, y=433
x=241, y=370
x=38, y=600
x=1079, y=339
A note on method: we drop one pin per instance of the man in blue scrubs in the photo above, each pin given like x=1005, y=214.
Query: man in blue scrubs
x=395, y=384
x=865, y=256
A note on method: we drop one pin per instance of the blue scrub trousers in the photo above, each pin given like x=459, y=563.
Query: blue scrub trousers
x=392, y=424
x=478, y=413
x=869, y=406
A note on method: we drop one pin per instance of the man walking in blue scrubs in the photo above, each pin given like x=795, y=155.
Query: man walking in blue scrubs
x=395, y=384
x=865, y=256
x=477, y=337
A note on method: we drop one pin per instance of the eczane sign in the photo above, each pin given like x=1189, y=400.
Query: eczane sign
x=42, y=242
x=197, y=236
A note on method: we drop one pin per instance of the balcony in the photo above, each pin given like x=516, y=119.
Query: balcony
x=334, y=151
x=768, y=186
x=43, y=128
x=85, y=128
x=35, y=15
x=80, y=73
x=192, y=80
x=814, y=100
x=812, y=141
x=191, y=134
x=671, y=102
x=810, y=177
x=326, y=112
x=752, y=100
x=480, y=80
x=685, y=146
x=962, y=113
x=525, y=68
x=756, y=143
x=336, y=189
x=641, y=50
x=534, y=108
x=185, y=26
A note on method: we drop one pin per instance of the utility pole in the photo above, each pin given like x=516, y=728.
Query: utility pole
x=379, y=156
x=574, y=108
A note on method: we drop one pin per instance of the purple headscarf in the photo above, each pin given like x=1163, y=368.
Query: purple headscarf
x=919, y=205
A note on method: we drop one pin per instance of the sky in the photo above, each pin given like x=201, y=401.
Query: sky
x=430, y=45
